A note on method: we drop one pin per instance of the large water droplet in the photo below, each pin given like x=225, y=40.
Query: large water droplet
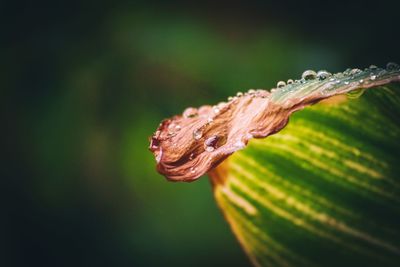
x=373, y=77
x=211, y=143
x=392, y=66
x=323, y=74
x=290, y=81
x=239, y=94
x=197, y=134
x=190, y=113
x=309, y=75
x=280, y=84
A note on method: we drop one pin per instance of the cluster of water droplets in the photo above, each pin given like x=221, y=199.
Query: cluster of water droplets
x=213, y=142
x=311, y=80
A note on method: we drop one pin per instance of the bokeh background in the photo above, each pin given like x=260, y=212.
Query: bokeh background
x=85, y=83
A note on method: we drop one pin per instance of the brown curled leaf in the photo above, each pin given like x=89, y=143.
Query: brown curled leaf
x=189, y=145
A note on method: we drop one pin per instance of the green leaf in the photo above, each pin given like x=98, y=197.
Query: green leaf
x=324, y=191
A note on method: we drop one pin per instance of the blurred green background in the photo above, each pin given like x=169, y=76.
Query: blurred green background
x=85, y=83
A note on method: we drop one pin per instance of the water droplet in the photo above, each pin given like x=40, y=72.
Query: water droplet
x=355, y=71
x=190, y=113
x=209, y=120
x=347, y=71
x=216, y=109
x=192, y=169
x=290, y=81
x=171, y=129
x=209, y=149
x=232, y=99
x=273, y=90
x=346, y=82
x=323, y=74
x=332, y=79
x=177, y=128
x=211, y=143
x=191, y=156
x=251, y=91
x=239, y=94
x=280, y=84
x=373, y=77
x=309, y=75
x=373, y=67
x=392, y=66
x=361, y=81
x=197, y=134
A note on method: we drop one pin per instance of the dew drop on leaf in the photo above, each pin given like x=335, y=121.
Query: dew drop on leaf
x=355, y=71
x=309, y=75
x=392, y=66
x=280, y=84
x=197, y=134
x=190, y=113
x=211, y=143
x=323, y=74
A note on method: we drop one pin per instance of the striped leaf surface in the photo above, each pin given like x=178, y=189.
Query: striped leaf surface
x=324, y=191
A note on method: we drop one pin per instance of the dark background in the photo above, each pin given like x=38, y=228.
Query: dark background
x=85, y=83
